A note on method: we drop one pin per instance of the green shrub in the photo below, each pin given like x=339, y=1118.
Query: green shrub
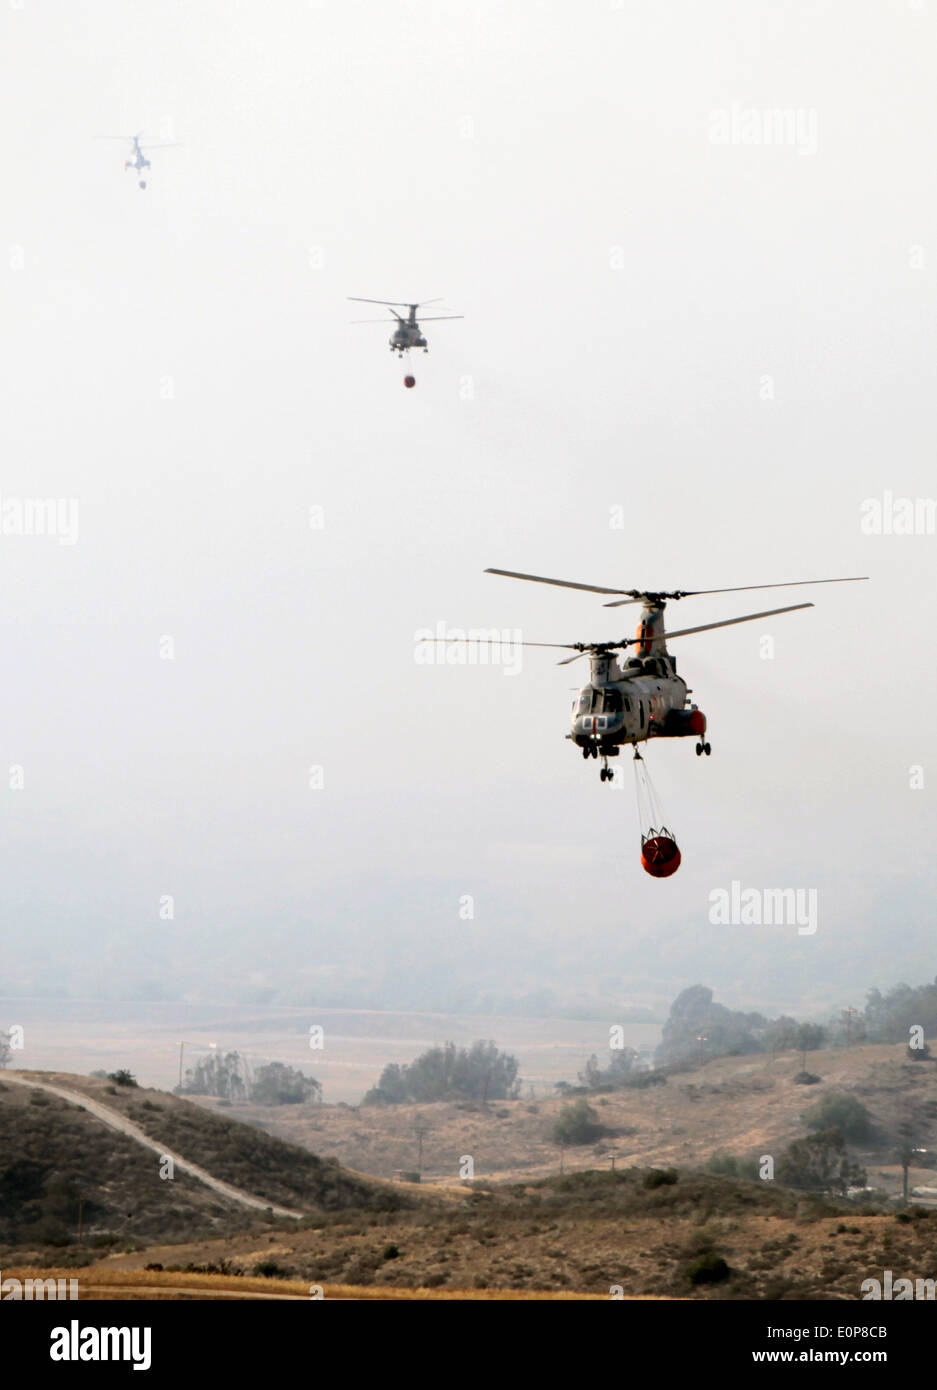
x=842, y=1112
x=123, y=1077
x=661, y=1177
x=708, y=1269
x=577, y=1123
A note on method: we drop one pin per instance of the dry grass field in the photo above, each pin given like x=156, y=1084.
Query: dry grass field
x=742, y=1105
x=523, y=1230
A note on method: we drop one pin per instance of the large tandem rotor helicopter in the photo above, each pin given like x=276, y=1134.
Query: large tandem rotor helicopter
x=138, y=160
x=408, y=333
x=634, y=699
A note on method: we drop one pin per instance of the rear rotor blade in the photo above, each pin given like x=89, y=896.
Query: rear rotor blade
x=400, y=303
x=785, y=584
x=437, y=318
x=745, y=588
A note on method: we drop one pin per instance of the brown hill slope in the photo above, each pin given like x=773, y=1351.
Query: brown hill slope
x=742, y=1105
x=61, y=1166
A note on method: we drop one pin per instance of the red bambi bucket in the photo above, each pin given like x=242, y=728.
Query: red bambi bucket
x=660, y=856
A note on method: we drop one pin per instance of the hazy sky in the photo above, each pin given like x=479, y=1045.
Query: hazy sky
x=731, y=341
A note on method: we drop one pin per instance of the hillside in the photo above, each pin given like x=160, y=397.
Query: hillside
x=583, y=1233
x=58, y=1163
x=748, y=1105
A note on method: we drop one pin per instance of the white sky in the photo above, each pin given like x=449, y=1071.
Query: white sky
x=509, y=159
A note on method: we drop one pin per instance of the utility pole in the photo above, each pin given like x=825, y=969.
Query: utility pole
x=847, y=1015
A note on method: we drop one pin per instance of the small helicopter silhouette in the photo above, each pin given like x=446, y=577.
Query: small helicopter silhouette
x=138, y=160
x=629, y=701
x=407, y=334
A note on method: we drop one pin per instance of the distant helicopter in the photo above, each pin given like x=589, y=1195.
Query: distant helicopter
x=629, y=701
x=138, y=160
x=407, y=334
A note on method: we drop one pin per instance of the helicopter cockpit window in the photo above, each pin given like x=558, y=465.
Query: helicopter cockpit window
x=585, y=701
x=613, y=703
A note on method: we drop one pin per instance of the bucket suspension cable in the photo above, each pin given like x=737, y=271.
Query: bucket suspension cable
x=650, y=811
x=660, y=855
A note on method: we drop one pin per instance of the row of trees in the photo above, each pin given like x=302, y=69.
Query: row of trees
x=480, y=1073
x=697, y=1027
x=230, y=1076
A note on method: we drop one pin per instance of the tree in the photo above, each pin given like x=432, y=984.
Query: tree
x=842, y=1112
x=216, y=1075
x=621, y=1068
x=277, y=1084
x=480, y=1072
x=810, y=1037
x=820, y=1163
x=577, y=1123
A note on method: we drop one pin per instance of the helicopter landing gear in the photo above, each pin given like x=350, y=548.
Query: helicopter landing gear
x=703, y=748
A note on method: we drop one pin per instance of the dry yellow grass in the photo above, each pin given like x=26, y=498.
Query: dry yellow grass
x=108, y=1285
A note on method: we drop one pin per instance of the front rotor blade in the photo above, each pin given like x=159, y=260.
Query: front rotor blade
x=500, y=642
x=560, y=583
x=356, y=299
x=727, y=622
x=437, y=318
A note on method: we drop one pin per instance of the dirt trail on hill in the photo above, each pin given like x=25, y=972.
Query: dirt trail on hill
x=132, y=1131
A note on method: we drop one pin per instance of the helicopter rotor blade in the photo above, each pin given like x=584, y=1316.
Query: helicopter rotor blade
x=745, y=588
x=577, y=647
x=726, y=622
x=560, y=583
x=400, y=303
x=437, y=318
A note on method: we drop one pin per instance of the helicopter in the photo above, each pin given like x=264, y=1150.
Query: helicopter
x=138, y=160
x=630, y=700
x=407, y=334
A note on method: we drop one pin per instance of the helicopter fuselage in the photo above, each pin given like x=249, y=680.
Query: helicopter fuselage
x=650, y=703
x=631, y=699
x=407, y=336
